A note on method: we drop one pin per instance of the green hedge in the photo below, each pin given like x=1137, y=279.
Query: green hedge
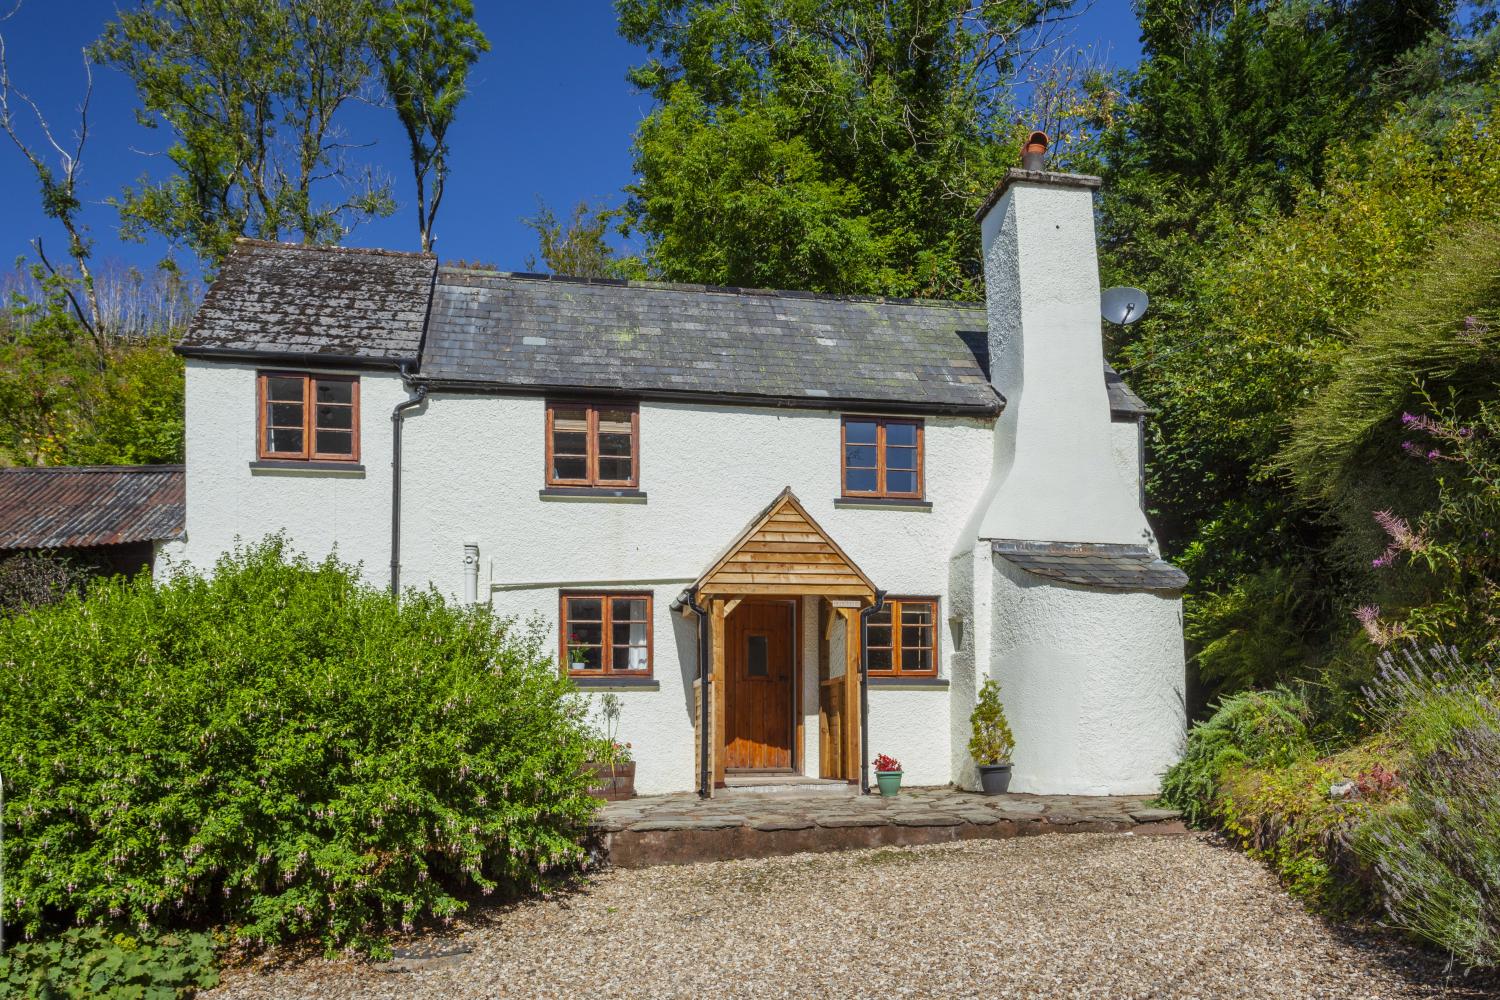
x=280, y=749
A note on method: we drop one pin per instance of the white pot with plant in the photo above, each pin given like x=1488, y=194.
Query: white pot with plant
x=990, y=741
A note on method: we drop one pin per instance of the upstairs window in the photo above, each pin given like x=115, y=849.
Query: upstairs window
x=606, y=634
x=593, y=445
x=882, y=457
x=309, y=417
x=903, y=638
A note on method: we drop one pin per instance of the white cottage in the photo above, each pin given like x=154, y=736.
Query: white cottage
x=817, y=521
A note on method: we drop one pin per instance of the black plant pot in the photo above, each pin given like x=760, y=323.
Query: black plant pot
x=994, y=779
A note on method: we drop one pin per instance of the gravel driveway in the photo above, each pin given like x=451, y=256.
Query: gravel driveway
x=1096, y=915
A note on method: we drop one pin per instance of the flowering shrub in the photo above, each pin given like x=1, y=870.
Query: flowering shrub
x=282, y=749
x=885, y=762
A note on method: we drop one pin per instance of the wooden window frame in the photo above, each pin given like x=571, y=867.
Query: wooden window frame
x=308, y=453
x=880, y=492
x=606, y=599
x=592, y=480
x=894, y=605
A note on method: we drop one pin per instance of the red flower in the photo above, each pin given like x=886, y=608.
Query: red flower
x=885, y=762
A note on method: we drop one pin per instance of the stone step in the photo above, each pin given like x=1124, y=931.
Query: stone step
x=737, y=785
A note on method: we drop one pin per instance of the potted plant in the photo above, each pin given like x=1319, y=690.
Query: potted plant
x=888, y=774
x=991, y=742
x=576, y=659
x=614, y=774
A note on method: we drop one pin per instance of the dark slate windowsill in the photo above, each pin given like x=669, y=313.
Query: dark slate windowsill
x=275, y=465
x=618, y=683
x=930, y=683
x=884, y=503
x=591, y=493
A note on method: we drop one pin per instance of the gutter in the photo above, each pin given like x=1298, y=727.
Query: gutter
x=397, y=419
x=864, y=688
x=298, y=359
x=689, y=599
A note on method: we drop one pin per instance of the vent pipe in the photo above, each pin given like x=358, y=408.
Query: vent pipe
x=471, y=573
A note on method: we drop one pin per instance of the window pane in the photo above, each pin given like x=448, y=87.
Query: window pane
x=916, y=659
x=629, y=609
x=901, y=434
x=585, y=633
x=757, y=656
x=630, y=633
x=614, y=444
x=881, y=617
x=880, y=635
x=336, y=417
x=860, y=480
x=630, y=658
x=285, y=415
x=284, y=388
x=570, y=443
x=569, y=468
x=614, y=470
x=589, y=609
x=916, y=635
x=286, y=440
x=335, y=442
x=900, y=482
x=337, y=391
x=615, y=421
x=880, y=659
x=570, y=418
x=859, y=432
x=587, y=658
x=916, y=613
x=860, y=456
x=901, y=458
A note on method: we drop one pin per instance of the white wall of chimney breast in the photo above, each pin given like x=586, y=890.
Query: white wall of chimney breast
x=1054, y=474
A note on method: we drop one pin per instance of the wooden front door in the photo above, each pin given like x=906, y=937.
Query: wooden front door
x=760, y=669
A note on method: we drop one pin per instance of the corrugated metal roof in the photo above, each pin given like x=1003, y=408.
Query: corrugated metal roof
x=83, y=505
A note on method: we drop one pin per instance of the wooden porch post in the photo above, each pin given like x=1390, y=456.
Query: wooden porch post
x=717, y=613
x=852, y=722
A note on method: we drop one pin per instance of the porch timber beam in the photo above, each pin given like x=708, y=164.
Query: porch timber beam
x=729, y=607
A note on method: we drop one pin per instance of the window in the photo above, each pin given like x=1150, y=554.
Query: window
x=590, y=445
x=606, y=634
x=903, y=638
x=882, y=457
x=309, y=417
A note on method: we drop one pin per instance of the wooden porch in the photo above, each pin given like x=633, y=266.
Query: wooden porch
x=781, y=559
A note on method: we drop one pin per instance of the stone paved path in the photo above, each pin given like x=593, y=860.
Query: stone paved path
x=682, y=828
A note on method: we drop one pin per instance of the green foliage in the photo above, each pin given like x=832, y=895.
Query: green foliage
x=580, y=246
x=837, y=148
x=33, y=579
x=991, y=741
x=425, y=49
x=282, y=749
x=92, y=963
x=250, y=91
x=132, y=413
x=1259, y=728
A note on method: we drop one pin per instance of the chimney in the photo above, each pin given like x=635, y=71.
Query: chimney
x=1053, y=478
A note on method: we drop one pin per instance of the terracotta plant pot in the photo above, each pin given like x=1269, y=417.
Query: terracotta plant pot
x=889, y=782
x=611, y=782
x=994, y=779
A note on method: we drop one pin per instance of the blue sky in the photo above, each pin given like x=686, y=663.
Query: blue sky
x=550, y=115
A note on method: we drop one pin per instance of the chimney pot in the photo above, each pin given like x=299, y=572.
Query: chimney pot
x=1034, y=152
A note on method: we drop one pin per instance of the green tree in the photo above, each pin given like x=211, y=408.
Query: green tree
x=250, y=90
x=425, y=49
x=835, y=147
x=580, y=246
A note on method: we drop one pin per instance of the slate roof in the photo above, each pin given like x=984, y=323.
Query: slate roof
x=78, y=506
x=526, y=332
x=1110, y=567
x=278, y=298
x=535, y=331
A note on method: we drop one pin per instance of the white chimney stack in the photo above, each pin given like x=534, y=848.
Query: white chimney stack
x=1054, y=477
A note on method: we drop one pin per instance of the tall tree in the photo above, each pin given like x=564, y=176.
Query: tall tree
x=426, y=48
x=251, y=91
x=579, y=246
x=834, y=146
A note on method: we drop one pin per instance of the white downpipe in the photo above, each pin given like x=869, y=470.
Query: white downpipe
x=471, y=572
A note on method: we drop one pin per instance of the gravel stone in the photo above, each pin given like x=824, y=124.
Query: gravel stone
x=1076, y=915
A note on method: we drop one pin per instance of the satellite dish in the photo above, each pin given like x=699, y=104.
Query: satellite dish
x=1123, y=305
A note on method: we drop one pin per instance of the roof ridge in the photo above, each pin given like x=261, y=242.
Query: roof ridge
x=93, y=468
x=329, y=248
x=674, y=286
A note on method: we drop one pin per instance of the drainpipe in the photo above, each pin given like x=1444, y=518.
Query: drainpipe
x=864, y=688
x=397, y=416
x=689, y=599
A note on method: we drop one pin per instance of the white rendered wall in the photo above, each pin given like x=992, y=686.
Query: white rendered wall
x=1092, y=683
x=473, y=469
x=1054, y=473
x=320, y=511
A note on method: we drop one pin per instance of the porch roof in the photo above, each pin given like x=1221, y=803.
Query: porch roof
x=784, y=551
